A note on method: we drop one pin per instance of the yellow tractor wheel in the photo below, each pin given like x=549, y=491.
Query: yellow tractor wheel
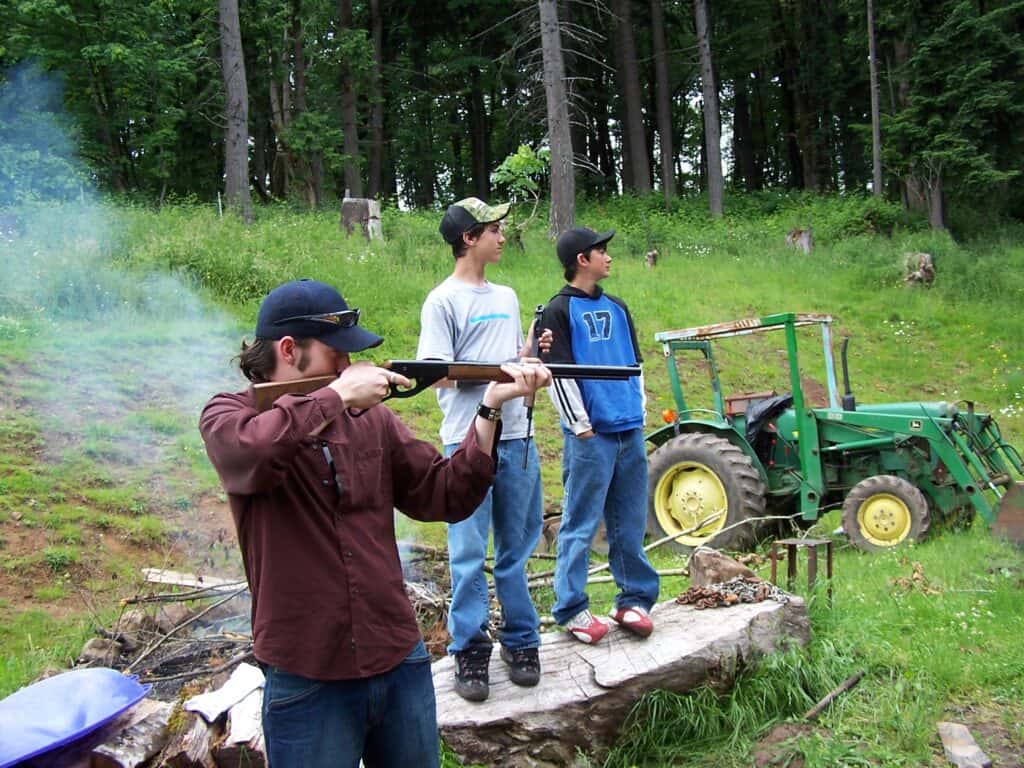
x=701, y=483
x=884, y=511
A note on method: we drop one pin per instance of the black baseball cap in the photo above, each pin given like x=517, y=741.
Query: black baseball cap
x=579, y=240
x=309, y=309
x=466, y=214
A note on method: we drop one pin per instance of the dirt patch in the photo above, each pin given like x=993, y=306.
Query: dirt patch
x=779, y=748
x=815, y=394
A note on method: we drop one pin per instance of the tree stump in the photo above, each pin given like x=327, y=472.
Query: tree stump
x=586, y=692
x=363, y=213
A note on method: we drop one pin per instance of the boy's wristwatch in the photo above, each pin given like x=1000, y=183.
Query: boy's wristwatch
x=486, y=412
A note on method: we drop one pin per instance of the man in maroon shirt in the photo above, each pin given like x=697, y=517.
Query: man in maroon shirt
x=312, y=484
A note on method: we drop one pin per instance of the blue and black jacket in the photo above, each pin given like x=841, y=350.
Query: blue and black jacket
x=594, y=329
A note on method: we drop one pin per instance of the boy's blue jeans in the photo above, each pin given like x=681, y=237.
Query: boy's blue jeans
x=604, y=475
x=514, y=506
x=386, y=720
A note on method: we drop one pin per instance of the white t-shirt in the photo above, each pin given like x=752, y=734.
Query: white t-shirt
x=474, y=324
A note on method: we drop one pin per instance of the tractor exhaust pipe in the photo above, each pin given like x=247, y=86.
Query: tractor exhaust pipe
x=849, y=402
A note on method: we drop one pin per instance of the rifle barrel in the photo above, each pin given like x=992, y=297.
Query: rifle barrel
x=426, y=372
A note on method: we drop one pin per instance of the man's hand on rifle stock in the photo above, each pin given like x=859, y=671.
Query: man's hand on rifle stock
x=363, y=385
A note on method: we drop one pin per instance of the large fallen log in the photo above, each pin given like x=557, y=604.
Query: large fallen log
x=586, y=692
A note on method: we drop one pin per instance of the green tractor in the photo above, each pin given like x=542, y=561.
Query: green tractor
x=896, y=469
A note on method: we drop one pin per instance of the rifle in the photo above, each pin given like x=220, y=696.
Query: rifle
x=423, y=373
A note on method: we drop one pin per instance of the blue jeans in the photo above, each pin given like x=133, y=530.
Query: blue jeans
x=386, y=720
x=515, y=507
x=604, y=475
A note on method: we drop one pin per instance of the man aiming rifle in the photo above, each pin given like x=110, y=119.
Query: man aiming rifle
x=313, y=482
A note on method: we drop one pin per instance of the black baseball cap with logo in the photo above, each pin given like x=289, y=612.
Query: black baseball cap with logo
x=309, y=309
x=466, y=214
x=579, y=240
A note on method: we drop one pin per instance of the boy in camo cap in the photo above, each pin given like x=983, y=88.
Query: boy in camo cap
x=469, y=318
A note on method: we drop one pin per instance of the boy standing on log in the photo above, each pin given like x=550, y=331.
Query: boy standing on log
x=604, y=464
x=469, y=318
x=313, y=483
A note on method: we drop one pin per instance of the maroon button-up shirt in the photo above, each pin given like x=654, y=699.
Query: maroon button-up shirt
x=328, y=600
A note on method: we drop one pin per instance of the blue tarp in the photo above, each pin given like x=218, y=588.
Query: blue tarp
x=62, y=708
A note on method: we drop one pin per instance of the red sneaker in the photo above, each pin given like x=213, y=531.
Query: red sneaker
x=586, y=628
x=634, y=618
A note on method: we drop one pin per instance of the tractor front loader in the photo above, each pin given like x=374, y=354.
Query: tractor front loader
x=896, y=469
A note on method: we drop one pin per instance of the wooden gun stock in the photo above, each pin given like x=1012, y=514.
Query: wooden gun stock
x=423, y=373
x=265, y=394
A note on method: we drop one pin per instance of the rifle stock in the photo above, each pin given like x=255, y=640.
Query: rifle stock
x=424, y=373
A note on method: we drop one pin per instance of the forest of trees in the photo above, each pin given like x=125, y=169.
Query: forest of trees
x=421, y=101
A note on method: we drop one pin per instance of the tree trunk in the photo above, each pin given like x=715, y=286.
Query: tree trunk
x=712, y=119
x=479, y=137
x=422, y=192
x=743, y=136
x=787, y=63
x=281, y=170
x=760, y=141
x=876, y=130
x=349, y=114
x=236, y=111
x=376, y=101
x=603, y=136
x=584, y=145
x=664, y=101
x=312, y=169
x=563, y=185
x=915, y=197
x=936, y=202
x=634, y=144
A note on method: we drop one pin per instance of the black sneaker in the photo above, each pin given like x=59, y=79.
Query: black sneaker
x=471, y=672
x=523, y=665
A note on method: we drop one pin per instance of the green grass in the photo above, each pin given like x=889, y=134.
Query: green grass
x=124, y=321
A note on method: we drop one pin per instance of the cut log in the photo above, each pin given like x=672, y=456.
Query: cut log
x=363, y=213
x=586, y=692
x=189, y=747
x=961, y=748
x=136, y=744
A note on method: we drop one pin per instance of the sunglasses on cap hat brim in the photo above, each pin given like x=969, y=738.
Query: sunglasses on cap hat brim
x=346, y=318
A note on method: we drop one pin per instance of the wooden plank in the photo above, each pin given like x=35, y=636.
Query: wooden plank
x=194, y=581
x=960, y=747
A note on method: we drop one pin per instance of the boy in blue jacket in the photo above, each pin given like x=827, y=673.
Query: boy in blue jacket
x=604, y=463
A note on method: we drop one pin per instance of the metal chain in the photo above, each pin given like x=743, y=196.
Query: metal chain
x=739, y=589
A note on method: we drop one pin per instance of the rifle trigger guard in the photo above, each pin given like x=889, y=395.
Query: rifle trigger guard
x=417, y=387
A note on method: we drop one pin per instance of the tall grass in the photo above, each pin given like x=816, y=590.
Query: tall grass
x=945, y=651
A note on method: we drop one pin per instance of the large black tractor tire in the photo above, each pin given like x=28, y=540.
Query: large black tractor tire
x=884, y=511
x=695, y=475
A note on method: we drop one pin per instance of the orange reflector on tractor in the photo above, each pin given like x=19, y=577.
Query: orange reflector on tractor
x=668, y=416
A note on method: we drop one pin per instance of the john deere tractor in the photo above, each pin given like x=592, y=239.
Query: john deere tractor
x=895, y=469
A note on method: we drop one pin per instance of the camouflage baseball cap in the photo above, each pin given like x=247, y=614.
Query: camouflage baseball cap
x=466, y=214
